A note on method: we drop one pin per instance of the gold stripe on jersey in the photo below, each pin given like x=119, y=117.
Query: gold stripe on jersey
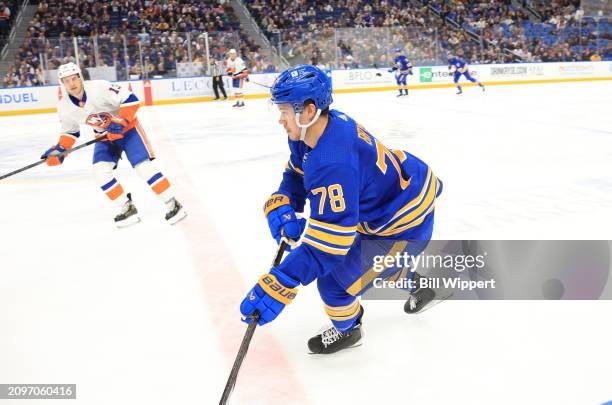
x=333, y=227
x=343, y=313
x=417, y=222
x=343, y=241
x=416, y=216
x=325, y=248
x=371, y=274
x=291, y=166
x=419, y=203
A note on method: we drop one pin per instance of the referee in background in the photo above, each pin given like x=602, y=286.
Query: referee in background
x=217, y=77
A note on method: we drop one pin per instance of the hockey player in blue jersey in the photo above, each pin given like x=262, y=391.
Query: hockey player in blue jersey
x=404, y=68
x=461, y=68
x=360, y=193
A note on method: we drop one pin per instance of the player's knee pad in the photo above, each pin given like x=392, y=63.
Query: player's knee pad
x=146, y=169
x=103, y=171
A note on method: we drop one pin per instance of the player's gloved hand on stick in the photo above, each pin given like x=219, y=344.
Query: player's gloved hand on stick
x=54, y=155
x=115, y=128
x=269, y=296
x=107, y=124
x=282, y=219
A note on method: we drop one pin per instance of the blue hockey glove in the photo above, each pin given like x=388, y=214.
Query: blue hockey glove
x=282, y=219
x=269, y=296
x=54, y=155
x=117, y=126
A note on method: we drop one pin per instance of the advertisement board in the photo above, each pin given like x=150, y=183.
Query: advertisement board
x=41, y=99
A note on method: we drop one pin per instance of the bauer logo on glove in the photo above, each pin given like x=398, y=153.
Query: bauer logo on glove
x=269, y=296
x=282, y=218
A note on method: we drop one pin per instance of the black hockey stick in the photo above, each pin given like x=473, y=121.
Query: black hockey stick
x=41, y=161
x=246, y=340
x=259, y=84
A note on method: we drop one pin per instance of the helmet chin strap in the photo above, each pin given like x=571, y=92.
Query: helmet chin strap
x=304, y=127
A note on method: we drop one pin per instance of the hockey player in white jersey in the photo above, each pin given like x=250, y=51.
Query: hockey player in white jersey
x=238, y=72
x=111, y=110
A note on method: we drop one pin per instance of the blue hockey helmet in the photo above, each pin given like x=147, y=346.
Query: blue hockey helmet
x=298, y=84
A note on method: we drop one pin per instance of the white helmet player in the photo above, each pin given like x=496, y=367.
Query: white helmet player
x=232, y=51
x=68, y=69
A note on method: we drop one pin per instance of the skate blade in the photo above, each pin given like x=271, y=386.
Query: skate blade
x=339, y=351
x=178, y=217
x=431, y=304
x=133, y=220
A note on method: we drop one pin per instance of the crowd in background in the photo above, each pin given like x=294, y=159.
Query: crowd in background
x=482, y=31
x=148, y=38
x=139, y=38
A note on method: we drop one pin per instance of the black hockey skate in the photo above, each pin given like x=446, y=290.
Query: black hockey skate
x=175, y=211
x=128, y=215
x=459, y=92
x=332, y=340
x=419, y=300
x=422, y=299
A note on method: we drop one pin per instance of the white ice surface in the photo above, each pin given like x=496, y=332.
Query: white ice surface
x=149, y=315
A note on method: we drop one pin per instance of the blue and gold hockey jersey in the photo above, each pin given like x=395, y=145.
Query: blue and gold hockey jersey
x=459, y=64
x=402, y=64
x=354, y=184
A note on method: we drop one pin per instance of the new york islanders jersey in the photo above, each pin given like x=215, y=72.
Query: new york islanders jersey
x=402, y=64
x=235, y=66
x=354, y=184
x=100, y=96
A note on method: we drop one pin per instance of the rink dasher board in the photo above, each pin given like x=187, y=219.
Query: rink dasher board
x=43, y=99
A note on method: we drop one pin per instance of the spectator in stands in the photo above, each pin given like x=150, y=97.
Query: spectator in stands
x=10, y=80
x=5, y=16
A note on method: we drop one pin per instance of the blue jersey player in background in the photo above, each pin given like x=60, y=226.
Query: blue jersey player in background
x=360, y=193
x=404, y=68
x=461, y=68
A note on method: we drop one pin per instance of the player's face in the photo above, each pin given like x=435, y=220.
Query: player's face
x=73, y=84
x=287, y=120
